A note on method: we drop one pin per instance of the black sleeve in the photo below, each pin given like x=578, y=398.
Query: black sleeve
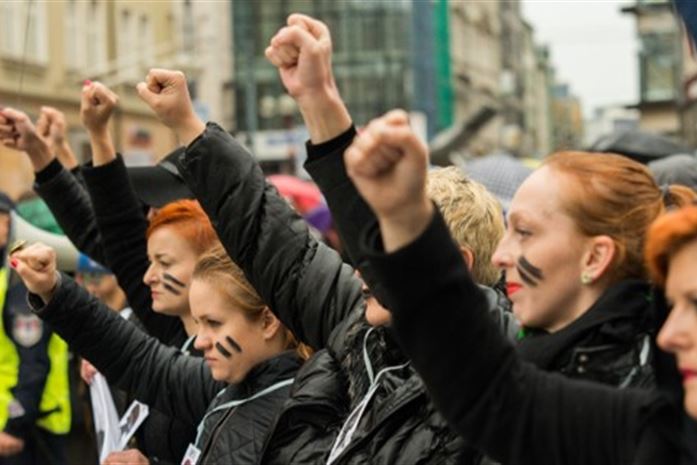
x=159, y=376
x=30, y=338
x=70, y=203
x=301, y=279
x=503, y=406
x=350, y=213
x=122, y=224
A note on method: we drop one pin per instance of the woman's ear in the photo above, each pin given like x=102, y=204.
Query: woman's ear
x=270, y=324
x=598, y=258
x=468, y=256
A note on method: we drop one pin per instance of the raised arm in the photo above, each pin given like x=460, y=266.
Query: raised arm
x=119, y=215
x=301, y=279
x=302, y=52
x=160, y=376
x=503, y=406
x=63, y=194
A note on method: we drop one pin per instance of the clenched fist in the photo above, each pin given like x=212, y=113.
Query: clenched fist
x=36, y=265
x=166, y=93
x=96, y=106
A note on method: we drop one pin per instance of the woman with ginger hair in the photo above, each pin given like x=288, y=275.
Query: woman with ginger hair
x=671, y=255
x=233, y=394
x=509, y=409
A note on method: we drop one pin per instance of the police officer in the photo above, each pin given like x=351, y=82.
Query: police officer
x=34, y=386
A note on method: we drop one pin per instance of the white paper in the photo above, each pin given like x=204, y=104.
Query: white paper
x=106, y=420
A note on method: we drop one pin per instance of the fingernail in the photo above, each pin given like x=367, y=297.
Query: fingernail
x=14, y=263
x=87, y=82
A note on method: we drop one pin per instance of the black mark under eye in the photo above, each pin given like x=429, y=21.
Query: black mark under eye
x=367, y=293
x=226, y=353
x=233, y=343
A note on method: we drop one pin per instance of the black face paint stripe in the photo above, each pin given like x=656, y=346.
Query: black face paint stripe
x=226, y=353
x=531, y=269
x=173, y=280
x=171, y=289
x=530, y=281
x=233, y=343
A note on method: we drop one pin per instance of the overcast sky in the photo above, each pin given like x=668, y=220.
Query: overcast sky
x=593, y=45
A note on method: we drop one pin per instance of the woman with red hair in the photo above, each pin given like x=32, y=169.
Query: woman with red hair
x=671, y=255
x=576, y=231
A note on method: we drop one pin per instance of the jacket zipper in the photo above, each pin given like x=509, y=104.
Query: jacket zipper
x=216, y=433
x=377, y=426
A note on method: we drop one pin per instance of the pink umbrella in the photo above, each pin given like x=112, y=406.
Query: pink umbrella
x=306, y=198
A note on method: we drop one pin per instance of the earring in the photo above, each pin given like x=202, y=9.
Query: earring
x=586, y=278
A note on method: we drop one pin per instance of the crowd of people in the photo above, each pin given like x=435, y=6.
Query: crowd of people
x=563, y=332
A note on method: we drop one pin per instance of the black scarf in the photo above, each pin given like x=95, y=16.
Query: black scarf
x=615, y=317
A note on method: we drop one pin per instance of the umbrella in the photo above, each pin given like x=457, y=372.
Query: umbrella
x=638, y=145
x=305, y=197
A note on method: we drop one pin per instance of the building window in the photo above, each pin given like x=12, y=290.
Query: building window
x=659, y=66
x=24, y=32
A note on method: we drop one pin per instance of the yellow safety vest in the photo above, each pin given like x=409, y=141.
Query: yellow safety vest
x=56, y=395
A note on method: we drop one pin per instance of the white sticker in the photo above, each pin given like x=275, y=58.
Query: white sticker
x=191, y=456
x=131, y=420
x=27, y=330
x=15, y=409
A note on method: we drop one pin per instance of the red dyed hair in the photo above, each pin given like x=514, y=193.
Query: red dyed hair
x=189, y=220
x=618, y=197
x=667, y=235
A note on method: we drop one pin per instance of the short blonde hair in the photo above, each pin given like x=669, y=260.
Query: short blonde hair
x=473, y=215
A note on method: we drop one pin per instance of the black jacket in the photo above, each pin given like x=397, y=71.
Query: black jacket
x=163, y=378
x=110, y=227
x=317, y=296
x=612, y=343
x=513, y=411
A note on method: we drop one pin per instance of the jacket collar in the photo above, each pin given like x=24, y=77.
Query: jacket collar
x=627, y=305
x=282, y=366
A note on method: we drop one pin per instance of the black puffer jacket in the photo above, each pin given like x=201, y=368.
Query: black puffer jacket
x=319, y=299
x=173, y=383
x=513, y=411
x=110, y=228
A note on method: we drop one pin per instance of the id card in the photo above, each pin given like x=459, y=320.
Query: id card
x=191, y=456
x=131, y=420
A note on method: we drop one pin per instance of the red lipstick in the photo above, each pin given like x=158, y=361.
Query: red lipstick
x=512, y=288
x=688, y=375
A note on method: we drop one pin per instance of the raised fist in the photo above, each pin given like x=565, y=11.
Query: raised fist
x=96, y=106
x=36, y=265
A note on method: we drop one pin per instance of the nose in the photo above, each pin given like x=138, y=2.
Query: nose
x=674, y=335
x=150, y=276
x=503, y=255
x=202, y=341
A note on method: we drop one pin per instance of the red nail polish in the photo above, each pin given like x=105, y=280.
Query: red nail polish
x=14, y=263
x=87, y=82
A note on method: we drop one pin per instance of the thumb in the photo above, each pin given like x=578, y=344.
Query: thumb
x=15, y=115
x=146, y=95
x=28, y=275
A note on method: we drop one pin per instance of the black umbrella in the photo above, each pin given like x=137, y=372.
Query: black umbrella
x=638, y=145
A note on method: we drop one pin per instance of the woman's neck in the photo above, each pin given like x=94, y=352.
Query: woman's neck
x=585, y=300
x=190, y=325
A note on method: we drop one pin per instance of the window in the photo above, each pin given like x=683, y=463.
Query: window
x=659, y=66
x=24, y=32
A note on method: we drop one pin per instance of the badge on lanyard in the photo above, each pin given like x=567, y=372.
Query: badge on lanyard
x=191, y=456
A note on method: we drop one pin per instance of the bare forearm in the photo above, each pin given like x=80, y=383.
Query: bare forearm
x=325, y=116
x=189, y=131
x=66, y=156
x=103, y=151
x=403, y=228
